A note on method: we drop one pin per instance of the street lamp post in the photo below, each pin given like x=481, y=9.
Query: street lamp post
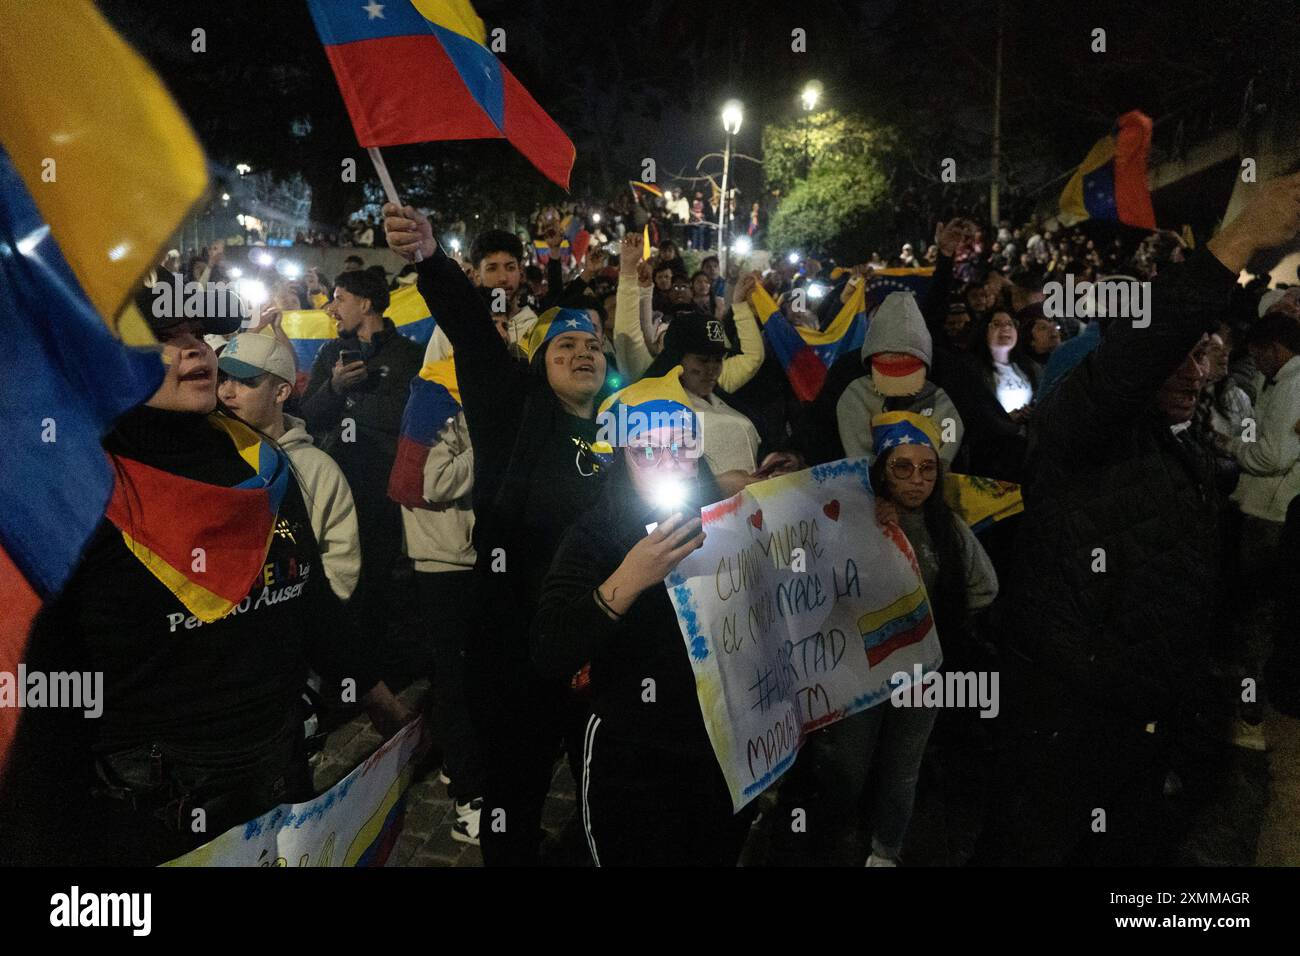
x=732, y=115
x=812, y=92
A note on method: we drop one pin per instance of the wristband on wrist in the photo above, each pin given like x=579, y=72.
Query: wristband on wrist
x=604, y=605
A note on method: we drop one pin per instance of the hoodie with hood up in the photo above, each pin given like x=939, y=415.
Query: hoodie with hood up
x=838, y=423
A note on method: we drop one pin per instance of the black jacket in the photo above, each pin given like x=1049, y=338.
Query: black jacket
x=532, y=477
x=213, y=693
x=376, y=405
x=570, y=630
x=1110, y=482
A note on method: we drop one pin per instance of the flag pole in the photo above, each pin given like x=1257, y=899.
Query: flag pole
x=386, y=181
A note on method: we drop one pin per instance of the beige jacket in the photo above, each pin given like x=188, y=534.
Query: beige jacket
x=634, y=355
x=329, y=500
x=438, y=538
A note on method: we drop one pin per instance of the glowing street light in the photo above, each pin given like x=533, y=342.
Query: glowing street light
x=812, y=92
x=733, y=113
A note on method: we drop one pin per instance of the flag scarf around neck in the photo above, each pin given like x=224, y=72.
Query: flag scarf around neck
x=434, y=402
x=419, y=71
x=309, y=329
x=165, y=518
x=1111, y=183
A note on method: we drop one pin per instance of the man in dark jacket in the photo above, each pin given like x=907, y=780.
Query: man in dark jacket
x=1115, y=584
x=353, y=404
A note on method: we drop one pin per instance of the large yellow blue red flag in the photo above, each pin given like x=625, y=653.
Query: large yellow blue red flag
x=97, y=170
x=1111, y=182
x=419, y=71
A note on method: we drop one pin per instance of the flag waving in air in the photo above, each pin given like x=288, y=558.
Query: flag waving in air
x=97, y=170
x=1111, y=183
x=419, y=71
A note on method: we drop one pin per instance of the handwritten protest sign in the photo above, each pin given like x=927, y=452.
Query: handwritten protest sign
x=354, y=823
x=796, y=613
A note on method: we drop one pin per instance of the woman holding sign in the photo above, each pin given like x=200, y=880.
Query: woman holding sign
x=652, y=791
x=887, y=740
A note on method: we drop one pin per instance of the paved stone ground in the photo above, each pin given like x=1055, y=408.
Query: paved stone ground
x=1256, y=817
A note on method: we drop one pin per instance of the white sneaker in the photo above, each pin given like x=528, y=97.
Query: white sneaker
x=465, y=829
x=874, y=860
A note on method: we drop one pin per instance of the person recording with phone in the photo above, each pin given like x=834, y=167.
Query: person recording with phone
x=652, y=792
x=353, y=405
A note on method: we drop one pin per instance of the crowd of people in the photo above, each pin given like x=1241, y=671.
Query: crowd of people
x=1148, y=581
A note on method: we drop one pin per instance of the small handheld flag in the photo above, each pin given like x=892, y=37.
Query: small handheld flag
x=1111, y=183
x=419, y=71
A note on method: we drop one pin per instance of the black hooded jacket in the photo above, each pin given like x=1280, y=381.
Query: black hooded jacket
x=1115, y=582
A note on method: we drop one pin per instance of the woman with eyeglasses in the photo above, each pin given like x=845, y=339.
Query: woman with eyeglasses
x=887, y=741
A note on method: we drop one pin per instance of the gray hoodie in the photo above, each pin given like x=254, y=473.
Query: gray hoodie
x=329, y=499
x=897, y=326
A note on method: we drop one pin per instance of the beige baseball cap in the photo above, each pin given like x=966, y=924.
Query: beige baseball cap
x=249, y=354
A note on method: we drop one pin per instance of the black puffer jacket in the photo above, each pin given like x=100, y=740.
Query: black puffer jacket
x=1110, y=481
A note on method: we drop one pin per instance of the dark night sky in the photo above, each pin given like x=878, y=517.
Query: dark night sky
x=648, y=79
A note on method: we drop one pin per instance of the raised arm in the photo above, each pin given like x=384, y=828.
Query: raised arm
x=737, y=370
x=1122, y=377
x=630, y=347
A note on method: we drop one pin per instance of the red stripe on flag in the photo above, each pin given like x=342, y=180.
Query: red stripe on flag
x=21, y=605
x=807, y=374
x=402, y=90
x=913, y=634
x=1132, y=145
x=532, y=132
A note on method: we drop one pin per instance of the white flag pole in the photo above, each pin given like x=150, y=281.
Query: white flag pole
x=386, y=181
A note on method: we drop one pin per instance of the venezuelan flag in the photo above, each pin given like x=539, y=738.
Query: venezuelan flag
x=651, y=188
x=881, y=282
x=434, y=400
x=309, y=329
x=162, y=515
x=418, y=71
x=805, y=353
x=981, y=502
x=1111, y=183
x=906, y=621
x=90, y=132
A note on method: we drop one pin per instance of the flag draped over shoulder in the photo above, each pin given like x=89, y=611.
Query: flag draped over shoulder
x=1111, y=183
x=433, y=402
x=162, y=515
x=419, y=71
x=309, y=329
x=97, y=170
x=805, y=353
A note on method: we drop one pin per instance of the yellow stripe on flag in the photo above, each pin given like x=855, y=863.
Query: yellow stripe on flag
x=874, y=620
x=455, y=15
x=198, y=600
x=1072, y=208
x=111, y=162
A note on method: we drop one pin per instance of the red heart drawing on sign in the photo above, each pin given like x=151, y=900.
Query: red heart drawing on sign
x=832, y=509
x=756, y=519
